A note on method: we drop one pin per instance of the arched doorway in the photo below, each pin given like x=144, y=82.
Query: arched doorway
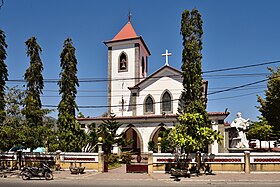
x=160, y=131
x=132, y=134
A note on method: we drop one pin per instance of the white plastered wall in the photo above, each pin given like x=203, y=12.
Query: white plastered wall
x=119, y=88
x=156, y=89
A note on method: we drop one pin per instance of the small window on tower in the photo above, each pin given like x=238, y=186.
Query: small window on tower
x=123, y=62
x=143, y=67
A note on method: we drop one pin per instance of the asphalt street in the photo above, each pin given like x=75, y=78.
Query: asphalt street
x=130, y=183
x=118, y=177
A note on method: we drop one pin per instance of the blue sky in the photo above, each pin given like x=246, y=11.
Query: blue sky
x=236, y=33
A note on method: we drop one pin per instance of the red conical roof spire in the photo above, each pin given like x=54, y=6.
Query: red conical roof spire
x=126, y=33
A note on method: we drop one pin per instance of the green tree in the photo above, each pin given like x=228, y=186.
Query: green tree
x=166, y=146
x=32, y=103
x=260, y=130
x=11, y=133
x=49, y=135
x=92, y=138
x=34, y=85
x=270, y=105
x=190, y=135
x=152, y=146
x=193, y=131
x=108, y=131
x=191, y=31
x=71, y=137
x=3, y=74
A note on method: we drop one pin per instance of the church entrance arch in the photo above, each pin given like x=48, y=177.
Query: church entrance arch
x=132, y=134
x=156, y=132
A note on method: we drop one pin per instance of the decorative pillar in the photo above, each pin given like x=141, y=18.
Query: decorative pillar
x=100, y=139
x=57, y=160
x=100, y=155
x=150, y=162
x=247, y=162
x=159, y=144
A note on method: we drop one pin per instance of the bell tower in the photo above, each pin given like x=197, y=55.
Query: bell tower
x=127, y=65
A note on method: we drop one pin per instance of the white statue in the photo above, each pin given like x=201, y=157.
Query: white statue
x=241, y=124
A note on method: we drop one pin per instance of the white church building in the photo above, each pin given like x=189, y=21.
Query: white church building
x=144, y=104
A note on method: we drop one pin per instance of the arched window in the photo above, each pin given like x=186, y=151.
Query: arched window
x=166, y=102
x=123, y=62
x=143, y=66
x=149, y=105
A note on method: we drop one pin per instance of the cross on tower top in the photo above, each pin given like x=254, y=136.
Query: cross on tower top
x=166, y=54
x=129, y=15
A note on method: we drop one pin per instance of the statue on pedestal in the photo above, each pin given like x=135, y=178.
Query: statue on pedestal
x=241, y=125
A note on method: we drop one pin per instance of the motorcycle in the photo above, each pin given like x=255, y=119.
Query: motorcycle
x=43, y=171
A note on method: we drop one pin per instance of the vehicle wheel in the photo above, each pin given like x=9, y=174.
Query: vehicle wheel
x=25, y=175
x=48, y=176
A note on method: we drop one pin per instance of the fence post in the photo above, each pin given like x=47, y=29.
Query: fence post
x=57, y=160
x=247, y=162
x=150, y=162
x=101, y=161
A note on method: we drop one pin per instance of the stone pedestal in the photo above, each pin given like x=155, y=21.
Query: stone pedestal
x=235, y=142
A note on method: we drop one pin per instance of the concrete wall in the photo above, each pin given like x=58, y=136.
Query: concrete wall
x=224, y=162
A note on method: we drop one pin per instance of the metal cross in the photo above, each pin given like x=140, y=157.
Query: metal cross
x=129, y=15
x=166, y=54
x=122, y=102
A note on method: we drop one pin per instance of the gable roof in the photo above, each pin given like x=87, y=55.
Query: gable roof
x=153, y=75
x=127, y=32
x=164, y=68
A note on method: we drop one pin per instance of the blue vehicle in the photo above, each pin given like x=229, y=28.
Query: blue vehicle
x=25, y=149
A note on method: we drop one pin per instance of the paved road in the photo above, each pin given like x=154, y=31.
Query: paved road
x=130, y=183
x=118, y=178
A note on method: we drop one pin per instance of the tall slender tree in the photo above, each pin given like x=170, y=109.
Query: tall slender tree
x=34, y=85
x=70, y=135
x=191, y=31
x=193, y=131
x=3, y=74
x=32, y=103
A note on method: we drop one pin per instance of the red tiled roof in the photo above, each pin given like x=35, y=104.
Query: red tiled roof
x=126, y=32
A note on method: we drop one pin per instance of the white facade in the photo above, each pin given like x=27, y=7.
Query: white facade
x=121, y=82
x=130, y=88
x=156, y=88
